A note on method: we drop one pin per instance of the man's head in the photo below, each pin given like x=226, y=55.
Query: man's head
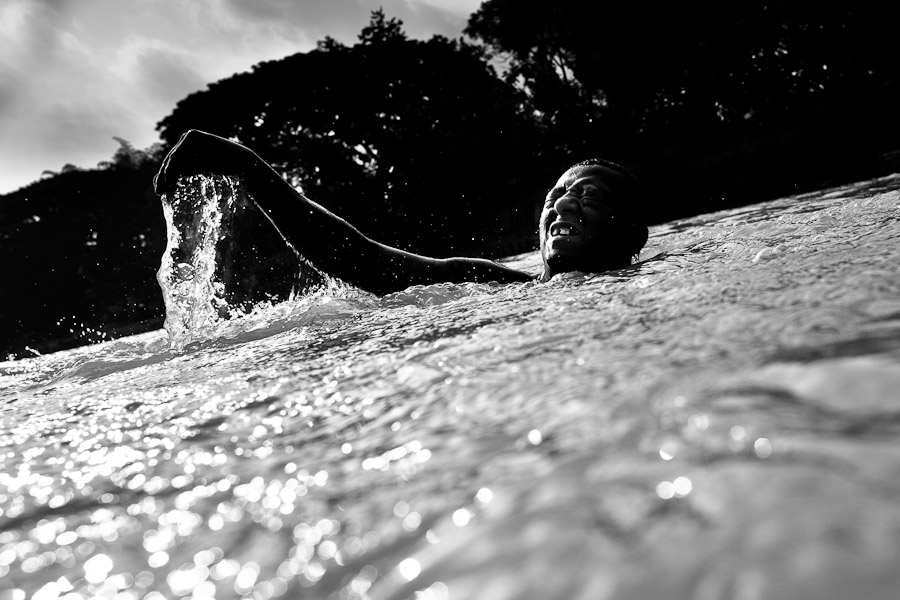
x=588, y=222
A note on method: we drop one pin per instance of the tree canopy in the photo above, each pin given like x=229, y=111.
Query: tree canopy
x=655, y=69
x=399, y=136
x=712, y=104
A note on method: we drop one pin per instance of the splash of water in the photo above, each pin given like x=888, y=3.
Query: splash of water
x=194, y=223
x=222, y=259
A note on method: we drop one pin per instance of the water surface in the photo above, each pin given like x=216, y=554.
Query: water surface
x=719, y=421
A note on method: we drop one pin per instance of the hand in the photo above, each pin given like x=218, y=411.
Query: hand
x=200, y=152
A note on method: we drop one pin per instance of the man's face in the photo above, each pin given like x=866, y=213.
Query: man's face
x=579, y=230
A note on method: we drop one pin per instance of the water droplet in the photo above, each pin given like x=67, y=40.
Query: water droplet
x=409, y=568
x=682, y=486
x=461, y=517
x=665, y=490
x=699, y=421
x=763, y=448
x=412, y=521
x=158, y=559
x=401, y=509
x=97, y=567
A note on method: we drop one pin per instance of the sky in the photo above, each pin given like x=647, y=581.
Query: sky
x=76, y=73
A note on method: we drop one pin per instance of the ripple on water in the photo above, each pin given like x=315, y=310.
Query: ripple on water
x=722, y=419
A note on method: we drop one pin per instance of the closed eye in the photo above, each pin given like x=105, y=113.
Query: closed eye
x=599, y=205
x=590, y=191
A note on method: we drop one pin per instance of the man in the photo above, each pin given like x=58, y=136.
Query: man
x=585, y=223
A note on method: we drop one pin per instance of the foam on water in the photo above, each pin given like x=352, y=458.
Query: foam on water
x=721, y=420
x=208, y=274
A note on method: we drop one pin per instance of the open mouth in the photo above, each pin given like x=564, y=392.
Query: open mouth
x=563, y=228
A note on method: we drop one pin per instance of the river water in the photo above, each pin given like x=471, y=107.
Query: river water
x=721, y=420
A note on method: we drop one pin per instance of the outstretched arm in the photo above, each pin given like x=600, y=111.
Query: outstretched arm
x=328, y=241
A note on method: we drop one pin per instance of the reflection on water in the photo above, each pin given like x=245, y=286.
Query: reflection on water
x=721, y=421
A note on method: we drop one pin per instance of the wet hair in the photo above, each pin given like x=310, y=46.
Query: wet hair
x=602, y=162
x=635, y=201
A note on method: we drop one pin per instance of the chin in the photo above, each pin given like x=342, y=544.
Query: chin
x=563, y=262
x=566, y=249
x=560, y=262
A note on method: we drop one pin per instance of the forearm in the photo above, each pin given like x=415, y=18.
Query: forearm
x=329, y=242
x=332, y=244
x=393, y=270
x=339, y=249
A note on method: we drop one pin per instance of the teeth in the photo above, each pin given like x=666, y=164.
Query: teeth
x=563, y=230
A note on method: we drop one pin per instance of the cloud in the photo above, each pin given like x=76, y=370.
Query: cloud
x=162, y=73
x=51, y=134
x=459, y=7
x=74, y=74
x=29, y=38
x=150, y=71
x=344, y=19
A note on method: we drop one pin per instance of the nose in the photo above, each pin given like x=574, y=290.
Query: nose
x=567, y=203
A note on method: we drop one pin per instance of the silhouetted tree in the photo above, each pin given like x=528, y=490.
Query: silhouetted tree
x=81, y=250
x=619, y=70
x=128, y=157
x=399, y=136
x=715, y=104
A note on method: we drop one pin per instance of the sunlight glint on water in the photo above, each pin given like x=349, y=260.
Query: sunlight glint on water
x=720, y=421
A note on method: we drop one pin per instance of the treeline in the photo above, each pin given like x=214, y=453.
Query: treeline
x=444, y=146
x=713, y=104
x=79, y=251
x=418, y=143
